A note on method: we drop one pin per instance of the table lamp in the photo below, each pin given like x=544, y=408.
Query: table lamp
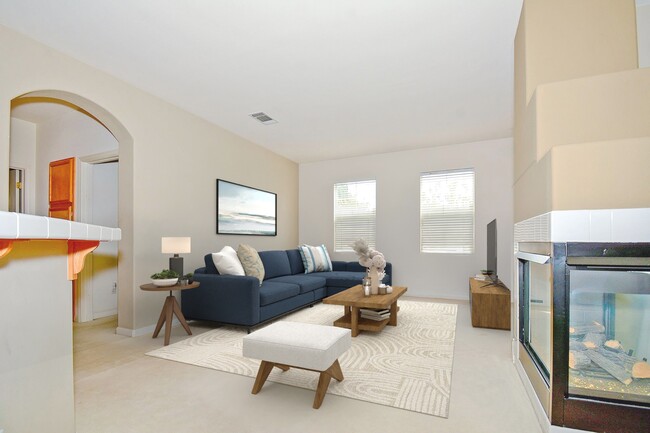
x=176, y=246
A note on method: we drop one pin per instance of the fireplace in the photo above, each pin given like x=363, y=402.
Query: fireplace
x=584, y=332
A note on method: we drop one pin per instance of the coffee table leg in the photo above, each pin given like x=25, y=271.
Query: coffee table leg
x=393, y=314
x=354, y=321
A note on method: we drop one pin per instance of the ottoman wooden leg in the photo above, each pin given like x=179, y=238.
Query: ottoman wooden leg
x=335, y=371
x=262, y=375
x=324, y=381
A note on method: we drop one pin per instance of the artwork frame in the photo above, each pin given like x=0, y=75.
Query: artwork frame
x=244, y=210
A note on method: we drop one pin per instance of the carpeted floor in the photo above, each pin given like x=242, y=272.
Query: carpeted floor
x=408, y=366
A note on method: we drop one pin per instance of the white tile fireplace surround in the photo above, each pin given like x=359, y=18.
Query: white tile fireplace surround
x=599, y=225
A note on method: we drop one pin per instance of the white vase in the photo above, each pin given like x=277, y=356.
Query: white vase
x=374, y=280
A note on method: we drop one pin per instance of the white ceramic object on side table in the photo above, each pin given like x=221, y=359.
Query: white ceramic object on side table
x=164, y=282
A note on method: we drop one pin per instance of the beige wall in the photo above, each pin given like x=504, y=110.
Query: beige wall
x=533, y=190
x=581, y=129
x=599, y=108
x=558, y=40
x=36, y=382
x=169, y=160
x=577, y=38
x=602, y=175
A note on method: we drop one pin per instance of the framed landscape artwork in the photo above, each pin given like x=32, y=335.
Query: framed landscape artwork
x=242, y=210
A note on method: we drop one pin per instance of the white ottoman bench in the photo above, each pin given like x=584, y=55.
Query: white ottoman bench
x=300, y=345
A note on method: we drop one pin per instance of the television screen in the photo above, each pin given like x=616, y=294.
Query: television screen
x=492, y=249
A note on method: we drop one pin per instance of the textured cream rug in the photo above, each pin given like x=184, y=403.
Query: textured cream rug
x=407, y=366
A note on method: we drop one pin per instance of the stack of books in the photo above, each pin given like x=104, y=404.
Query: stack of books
x=378, y=315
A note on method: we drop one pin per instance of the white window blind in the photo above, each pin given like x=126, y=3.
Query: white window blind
x=447, y=212
x=354, y=213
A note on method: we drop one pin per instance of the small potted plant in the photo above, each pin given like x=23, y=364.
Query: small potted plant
x=186, y=279
x=164, y=278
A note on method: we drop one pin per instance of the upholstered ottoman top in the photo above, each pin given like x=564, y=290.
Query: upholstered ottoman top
x=304, y=345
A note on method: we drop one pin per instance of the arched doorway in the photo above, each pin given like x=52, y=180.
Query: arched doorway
x=89, y=156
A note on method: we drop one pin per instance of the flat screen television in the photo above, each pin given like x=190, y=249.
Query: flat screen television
x=492, y=250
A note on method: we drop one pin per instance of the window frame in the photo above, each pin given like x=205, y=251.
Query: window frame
x=371, y=238
x=446, y=215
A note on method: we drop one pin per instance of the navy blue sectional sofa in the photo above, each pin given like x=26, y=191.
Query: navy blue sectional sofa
x=240, y=300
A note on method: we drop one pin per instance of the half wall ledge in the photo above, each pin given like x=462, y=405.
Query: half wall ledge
x=82, y=238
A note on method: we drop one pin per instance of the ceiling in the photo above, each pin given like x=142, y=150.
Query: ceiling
x=341, y=77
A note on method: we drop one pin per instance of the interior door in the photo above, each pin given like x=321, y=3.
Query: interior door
x=62, y=189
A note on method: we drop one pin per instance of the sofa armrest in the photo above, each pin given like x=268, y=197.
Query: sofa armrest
x=223, y=298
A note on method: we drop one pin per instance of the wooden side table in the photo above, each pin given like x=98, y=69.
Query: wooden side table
x=170, y=308
x=490, y=304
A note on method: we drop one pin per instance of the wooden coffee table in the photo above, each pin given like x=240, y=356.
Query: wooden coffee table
x=353, y=300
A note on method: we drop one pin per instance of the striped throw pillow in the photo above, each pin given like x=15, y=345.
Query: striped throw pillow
x=315, y=259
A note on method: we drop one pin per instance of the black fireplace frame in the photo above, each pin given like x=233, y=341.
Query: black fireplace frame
x=583, y=413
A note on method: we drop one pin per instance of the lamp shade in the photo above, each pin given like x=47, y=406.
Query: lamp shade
x=176, y=245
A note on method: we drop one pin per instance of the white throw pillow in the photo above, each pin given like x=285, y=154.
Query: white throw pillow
x=227, y=262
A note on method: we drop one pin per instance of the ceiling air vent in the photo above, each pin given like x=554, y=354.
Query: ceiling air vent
x=264, y=118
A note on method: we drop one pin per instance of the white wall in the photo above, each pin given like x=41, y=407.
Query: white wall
x=397, y=175
x=72, y=134
x=23, y=155
x=643, y=32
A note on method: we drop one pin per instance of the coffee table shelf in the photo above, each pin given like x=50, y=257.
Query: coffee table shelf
x=353, y=300
x=364, y=324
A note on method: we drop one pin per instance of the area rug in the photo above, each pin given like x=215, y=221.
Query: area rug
x=407, y=366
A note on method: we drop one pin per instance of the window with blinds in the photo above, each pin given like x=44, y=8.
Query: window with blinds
x=447, y=212
x=354, y=213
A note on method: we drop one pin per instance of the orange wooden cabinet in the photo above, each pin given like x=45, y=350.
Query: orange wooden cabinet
x=62, y=189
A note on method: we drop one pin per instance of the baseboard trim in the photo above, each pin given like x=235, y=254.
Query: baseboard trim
x=127, y=332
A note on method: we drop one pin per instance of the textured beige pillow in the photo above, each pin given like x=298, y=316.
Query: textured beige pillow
x=251, y=262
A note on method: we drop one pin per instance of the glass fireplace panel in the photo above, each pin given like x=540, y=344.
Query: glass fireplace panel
x=539, y=319
x=609, y=334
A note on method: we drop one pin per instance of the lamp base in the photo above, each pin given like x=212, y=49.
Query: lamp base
x=176, y=265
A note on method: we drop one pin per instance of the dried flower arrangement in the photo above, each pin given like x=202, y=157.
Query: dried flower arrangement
x=370, y=258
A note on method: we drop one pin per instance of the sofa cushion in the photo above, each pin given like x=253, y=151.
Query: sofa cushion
x=251, y=262
x=271, y=292
x=227, y=262
x=295, y=260
x=307, y=283
x=315, y=259
x=276, y=263
x=340, y=278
